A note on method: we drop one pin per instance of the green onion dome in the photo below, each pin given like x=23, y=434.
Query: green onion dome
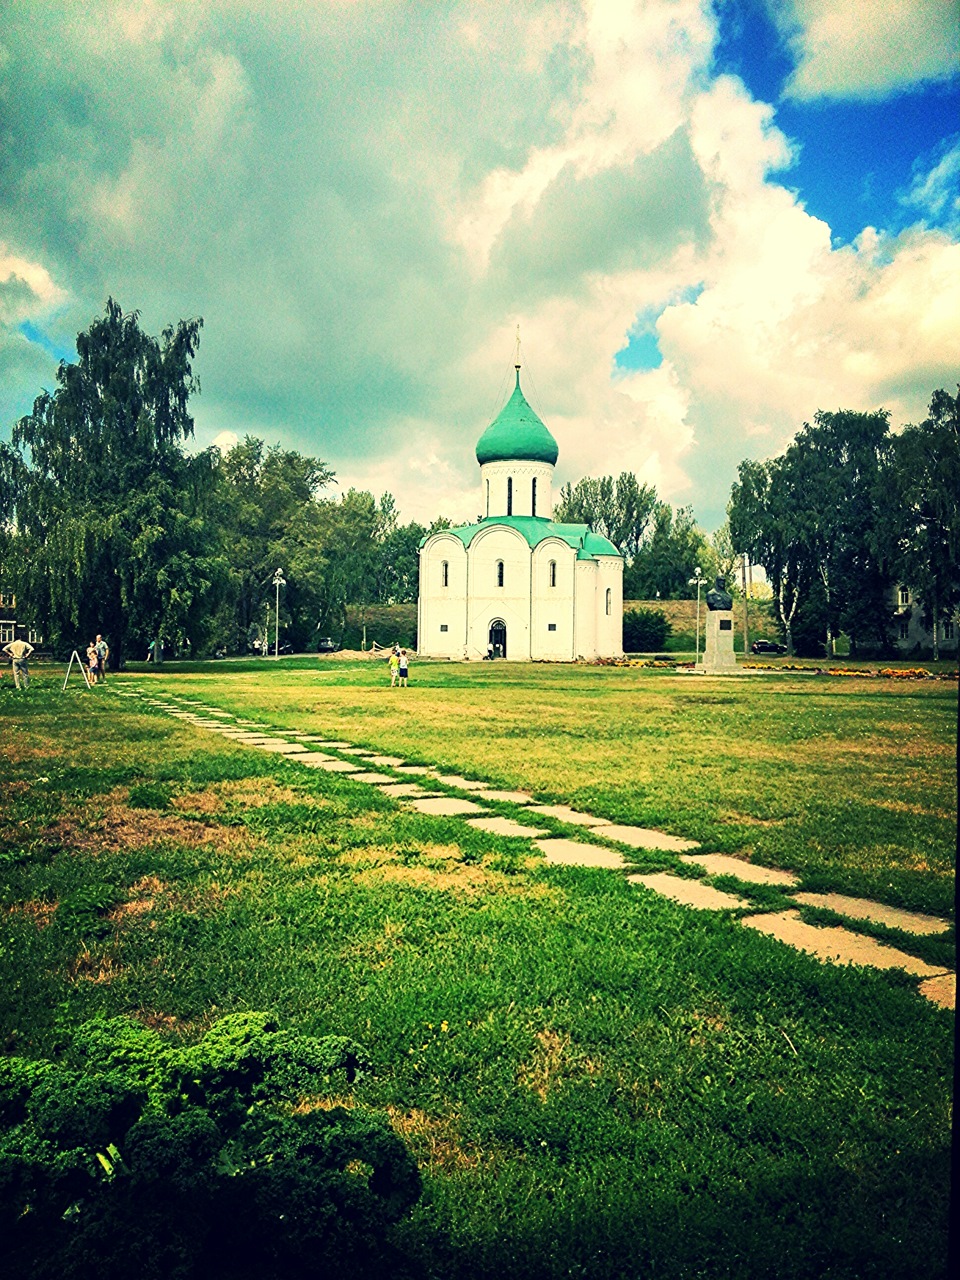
x=517, y=433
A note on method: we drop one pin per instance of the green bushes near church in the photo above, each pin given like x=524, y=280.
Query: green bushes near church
x=645, y=630
x=129, y=1157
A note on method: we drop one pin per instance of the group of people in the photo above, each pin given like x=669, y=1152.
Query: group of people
x=399, y=663
x=19, y=652
x=97, y=655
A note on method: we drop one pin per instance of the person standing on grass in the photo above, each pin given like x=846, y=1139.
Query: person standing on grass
x=103, y=653
x=404, y=667
x=394, y=664
x=19, y=652
x=93, y=662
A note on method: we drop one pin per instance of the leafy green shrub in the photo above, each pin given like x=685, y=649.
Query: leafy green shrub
x=132, y=1158
x=645, y=630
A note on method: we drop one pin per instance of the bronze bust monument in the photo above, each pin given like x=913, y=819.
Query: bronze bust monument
x=719, y=597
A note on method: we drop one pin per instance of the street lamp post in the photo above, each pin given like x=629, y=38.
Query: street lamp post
x=696, y=581
x=279, y=581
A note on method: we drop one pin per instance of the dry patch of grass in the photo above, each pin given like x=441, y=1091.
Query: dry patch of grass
x=748, y=819
x=92, y=966
x=254, y=793
x=113, y=826
x=437, y=867
x=41, y=913
x=547, y=1064
x=435, y=1141
x=143, y=896
x=923, y=811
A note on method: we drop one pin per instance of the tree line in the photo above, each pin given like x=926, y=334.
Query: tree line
x=848, y=511
x=109, y=524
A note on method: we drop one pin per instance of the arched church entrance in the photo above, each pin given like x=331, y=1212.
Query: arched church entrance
x=498, y=638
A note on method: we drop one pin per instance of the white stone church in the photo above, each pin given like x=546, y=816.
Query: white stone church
x=515, y=583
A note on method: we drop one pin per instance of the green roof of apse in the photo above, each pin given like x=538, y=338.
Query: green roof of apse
x=517, y=433
x=535, y=530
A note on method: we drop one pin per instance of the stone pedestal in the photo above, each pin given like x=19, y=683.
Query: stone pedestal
x=718, y=656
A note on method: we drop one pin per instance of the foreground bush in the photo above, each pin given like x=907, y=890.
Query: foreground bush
x=130, y=1158
x=645, y=630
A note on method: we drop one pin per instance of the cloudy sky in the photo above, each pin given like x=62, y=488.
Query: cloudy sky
x=710, y=219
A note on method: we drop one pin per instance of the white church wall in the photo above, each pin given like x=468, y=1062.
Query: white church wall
x=585, y=614
x=510, y=602
x=609, y=607
x=551, y=615
x=493, y=488
x=442, y=616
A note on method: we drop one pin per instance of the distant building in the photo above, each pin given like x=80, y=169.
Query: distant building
x=909, y=631
x=10, y=628
x=516, y=584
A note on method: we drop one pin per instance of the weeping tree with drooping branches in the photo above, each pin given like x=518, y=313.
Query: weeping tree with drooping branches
x=109, y=519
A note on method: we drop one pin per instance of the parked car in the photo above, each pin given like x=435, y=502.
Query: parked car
x=326, y=644
x=768, y=646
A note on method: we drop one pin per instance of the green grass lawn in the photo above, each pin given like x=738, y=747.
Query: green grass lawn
x=596, y=1082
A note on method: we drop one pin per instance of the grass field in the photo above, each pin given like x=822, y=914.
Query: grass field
x=596, y=1082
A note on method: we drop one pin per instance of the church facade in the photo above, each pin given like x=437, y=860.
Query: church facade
x=516, y=584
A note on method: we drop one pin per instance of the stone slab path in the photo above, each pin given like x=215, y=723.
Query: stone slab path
x=571, y=853
x=722, y=864
x=498, y=826
x=838, y=944
x=877, y=912
x=692, y=893
x=410, y=784
x=446, y=806
x=641, y=838
x=563, y=813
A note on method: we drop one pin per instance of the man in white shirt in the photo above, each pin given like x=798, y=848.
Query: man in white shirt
x=19, y=651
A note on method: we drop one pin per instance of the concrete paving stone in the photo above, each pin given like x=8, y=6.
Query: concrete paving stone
x=386, y=762
x=404, y=790
x=508, y=797
x=498, y=826
x=876, y=912
x=566, y=814
x=311, y=737
x=571, y=853
x=463, y=784
x=445, y=806
x=838, y=945
x=356, y=751
x=370, y=776
x=721, y=864
x=338, y=766
x=691, y=893
x=941, y=990
x=417, y=769
x=641, y=837
x=280, y=747
x=312, y=758
x=335, y=746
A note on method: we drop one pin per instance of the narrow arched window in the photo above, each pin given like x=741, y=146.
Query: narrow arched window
x=553, y=573
x=533, y=496
x=445, y=573
x=509, y=495
x=499, y=573
x=488, y=497
x=609, y=599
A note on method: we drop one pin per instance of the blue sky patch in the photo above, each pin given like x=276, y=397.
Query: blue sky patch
x=52, y=348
